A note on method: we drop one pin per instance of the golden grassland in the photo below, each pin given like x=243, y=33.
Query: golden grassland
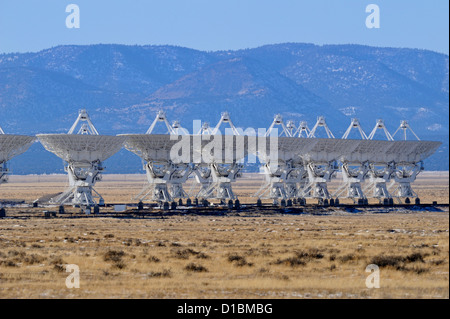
x=242, y=255
x=227, y=257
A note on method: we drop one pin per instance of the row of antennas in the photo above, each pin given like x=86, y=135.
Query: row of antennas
x=404, y=126
x=177, y=129
x=289, y=129
x=86, y=127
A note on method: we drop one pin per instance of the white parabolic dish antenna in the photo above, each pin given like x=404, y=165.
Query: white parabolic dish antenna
x=84, y=153
x=11, y=146
x=82, y=148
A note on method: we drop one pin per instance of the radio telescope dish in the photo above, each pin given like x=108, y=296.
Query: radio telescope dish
x=11, y=146
x=150, y=147
x=82, y=148
x=14, y=145
x=84, y=153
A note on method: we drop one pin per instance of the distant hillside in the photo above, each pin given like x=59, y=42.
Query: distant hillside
x=123, y=86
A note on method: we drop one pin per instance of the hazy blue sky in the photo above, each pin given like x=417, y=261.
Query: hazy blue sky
x=31, y=25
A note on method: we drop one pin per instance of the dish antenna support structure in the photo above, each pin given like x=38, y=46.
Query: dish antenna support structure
x=320, y=173
x=403, y=173
x=165, y=178
x=380, y=175
x=165, y=181
x=407, y=173
x=281, y=182
x=84, y=153
x=82, y=179
x=282, y=179
x=353, y=174
x=216, y=178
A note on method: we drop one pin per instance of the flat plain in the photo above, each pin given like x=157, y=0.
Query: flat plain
x=320, y=253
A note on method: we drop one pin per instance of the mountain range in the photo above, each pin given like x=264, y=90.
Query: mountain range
x=123, y=87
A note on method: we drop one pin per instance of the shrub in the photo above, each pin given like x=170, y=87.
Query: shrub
x=438, y=262
x=347, y=258
x=8, y=263
x=34, y=259
x=59, y=268
x=15, y=253
x=301, y=258
x=57, y=261
x=195, y=268
x=119, y=265
x=185, y=253
x=419, y=270
x=202, y=256
x=387, y=261
x=312, y=254
x=416, y=257
x=399, y=262
x=114, y=255
x=238, y=260
x=291, y=261
x=166, y=273
x=263, y=270
x=235, y=257
x=154, y=259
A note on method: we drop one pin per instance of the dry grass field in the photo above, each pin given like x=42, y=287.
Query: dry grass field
x=240, y=255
